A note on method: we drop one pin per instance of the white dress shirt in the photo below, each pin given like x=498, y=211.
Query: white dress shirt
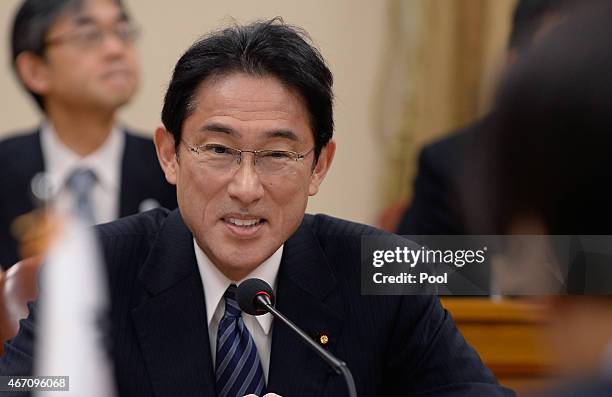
x=105, y=162
x=215, y=284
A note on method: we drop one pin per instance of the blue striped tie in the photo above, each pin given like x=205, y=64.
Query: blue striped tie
x=238, y=369
x=81, y=182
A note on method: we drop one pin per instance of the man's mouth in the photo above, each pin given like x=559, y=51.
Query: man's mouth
x=118, y=74
x=243, y=226
x=246, y=223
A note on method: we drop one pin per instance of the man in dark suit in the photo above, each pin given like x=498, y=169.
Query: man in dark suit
x=247, y=138
x=77, y=60
x=436, y=207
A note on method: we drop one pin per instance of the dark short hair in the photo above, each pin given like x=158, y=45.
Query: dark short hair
x=31, y=24
x=263, y=48
x=549, y=154
x=528, y=17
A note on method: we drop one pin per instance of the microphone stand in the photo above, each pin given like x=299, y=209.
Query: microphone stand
x=339, y=366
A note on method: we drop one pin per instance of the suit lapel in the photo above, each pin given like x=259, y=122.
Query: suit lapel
x=171, y=325
x=305, y=294
x=36, y=162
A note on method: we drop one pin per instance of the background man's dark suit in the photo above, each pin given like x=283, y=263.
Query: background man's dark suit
x=394, y=345
x=436, y=206
x=21, y=158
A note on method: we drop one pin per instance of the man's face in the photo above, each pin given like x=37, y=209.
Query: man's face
x=79, y=72
x=241, y=216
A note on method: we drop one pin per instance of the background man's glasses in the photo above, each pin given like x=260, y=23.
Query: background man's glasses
x=93, y=36
x=267, y=162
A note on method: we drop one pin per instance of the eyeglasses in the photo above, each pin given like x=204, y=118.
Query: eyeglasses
x=267, y=162
x=93, y=36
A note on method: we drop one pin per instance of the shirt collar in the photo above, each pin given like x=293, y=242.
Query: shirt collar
x=215, y=283
x=105, y=161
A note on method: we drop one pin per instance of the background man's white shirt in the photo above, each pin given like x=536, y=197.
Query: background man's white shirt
x=105, y=162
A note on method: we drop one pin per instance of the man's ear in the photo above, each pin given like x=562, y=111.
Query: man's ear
x=166, y=153
x=33, y=72
x=320, y=170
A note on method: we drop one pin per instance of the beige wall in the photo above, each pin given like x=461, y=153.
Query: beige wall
x=348, y=32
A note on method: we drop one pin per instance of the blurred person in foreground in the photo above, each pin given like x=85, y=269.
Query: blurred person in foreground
x=247, y=138
x=77, y=60
x=435, y=207
x=547, y=170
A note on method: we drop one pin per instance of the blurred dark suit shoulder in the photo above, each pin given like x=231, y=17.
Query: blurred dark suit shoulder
x=21, y=158
x=435, y=207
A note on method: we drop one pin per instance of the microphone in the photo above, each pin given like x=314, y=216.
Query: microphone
x=256, y=297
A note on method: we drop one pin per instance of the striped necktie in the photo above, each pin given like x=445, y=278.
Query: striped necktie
x=238, y=368
x=81, y=182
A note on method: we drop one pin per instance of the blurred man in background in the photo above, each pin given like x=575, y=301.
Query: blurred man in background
x=77, y=59
x=547, y=167
x=435, y=207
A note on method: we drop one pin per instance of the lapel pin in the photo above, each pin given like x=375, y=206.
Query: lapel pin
x=323, y=339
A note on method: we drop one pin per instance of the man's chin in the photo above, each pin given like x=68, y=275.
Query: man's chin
x=119, y=101
x=116, y=98
x=238, y=272
x=240, y=267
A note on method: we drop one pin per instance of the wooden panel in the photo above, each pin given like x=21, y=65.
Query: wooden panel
x=510, y=337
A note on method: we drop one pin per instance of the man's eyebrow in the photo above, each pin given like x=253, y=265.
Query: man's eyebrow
x=85, y=19
x=216, y=127
x=281, y=133
x=287, y=134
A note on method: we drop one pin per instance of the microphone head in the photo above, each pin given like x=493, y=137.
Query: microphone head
x=247, y=294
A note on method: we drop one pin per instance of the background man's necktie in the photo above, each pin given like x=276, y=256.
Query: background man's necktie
x=81, y=182
x=238, y=368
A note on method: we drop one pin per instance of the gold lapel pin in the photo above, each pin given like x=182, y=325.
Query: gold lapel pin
x=323, y=339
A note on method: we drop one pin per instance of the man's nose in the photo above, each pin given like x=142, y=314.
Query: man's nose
x=246, y=186
x=113, y=44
